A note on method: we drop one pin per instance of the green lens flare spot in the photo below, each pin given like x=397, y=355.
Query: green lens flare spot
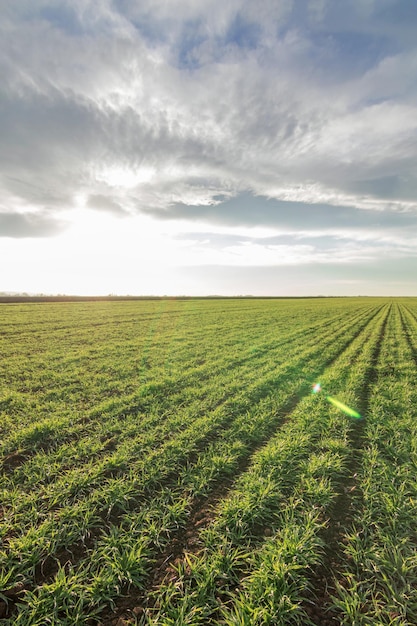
x=343, y=407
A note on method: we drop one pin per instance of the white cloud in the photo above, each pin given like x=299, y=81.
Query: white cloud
x=138, y=108
x=110, y=99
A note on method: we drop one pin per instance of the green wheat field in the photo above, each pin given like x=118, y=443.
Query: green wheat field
x=165, y=462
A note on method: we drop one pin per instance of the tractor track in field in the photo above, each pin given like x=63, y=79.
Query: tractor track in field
x=203, y=512
x=318, y=604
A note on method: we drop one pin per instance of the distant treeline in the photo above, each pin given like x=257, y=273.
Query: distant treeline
x=41, y=298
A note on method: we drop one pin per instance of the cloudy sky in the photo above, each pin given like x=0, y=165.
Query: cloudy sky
x=208, y=147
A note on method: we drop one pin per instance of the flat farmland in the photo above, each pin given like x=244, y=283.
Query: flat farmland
x=165, y=462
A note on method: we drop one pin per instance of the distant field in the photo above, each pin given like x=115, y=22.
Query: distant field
x=165, y=462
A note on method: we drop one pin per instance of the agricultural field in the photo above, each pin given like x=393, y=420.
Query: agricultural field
x=165, y=462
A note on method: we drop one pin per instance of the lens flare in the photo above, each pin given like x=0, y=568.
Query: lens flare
x=343, y=407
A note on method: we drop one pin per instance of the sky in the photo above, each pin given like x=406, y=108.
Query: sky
x=182, y=147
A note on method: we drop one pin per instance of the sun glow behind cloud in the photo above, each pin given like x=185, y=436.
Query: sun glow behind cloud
x=123, y=177
x=100, y=253
x=189, y=147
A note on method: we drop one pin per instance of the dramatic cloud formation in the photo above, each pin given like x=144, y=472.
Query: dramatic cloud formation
x=209, y=147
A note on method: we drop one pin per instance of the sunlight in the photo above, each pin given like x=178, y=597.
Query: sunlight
x=127, y=178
